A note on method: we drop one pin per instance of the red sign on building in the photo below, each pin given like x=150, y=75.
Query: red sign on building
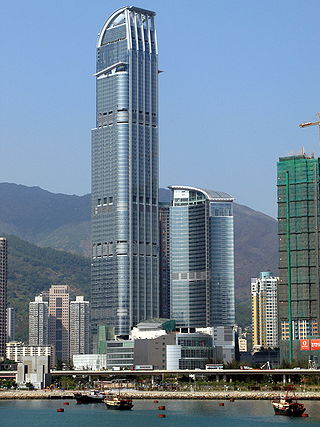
x=315, y=344
x=305, y=344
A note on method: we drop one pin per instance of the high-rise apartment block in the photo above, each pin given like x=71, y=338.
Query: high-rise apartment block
x=59, y=320
x=38, y=322
x=298, y=230
x=201, y=258
x=11, y=324
x=79, y=326
x=264, y=311
x=3, y=295
x=125, y=247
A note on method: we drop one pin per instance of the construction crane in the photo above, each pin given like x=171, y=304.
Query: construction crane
x=304, y=125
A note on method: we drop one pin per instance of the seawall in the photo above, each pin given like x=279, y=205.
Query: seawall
x=213, y=395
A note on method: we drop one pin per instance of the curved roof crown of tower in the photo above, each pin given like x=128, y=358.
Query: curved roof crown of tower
x=211, y=195
x=119, y=17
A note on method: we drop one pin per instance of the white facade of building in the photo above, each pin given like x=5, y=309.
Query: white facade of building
x=18, y=350
x=173, y=356
x=91, y=362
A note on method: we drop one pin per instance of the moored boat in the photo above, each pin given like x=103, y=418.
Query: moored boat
x=118, y=402
x=288, y=405
x=91, y=397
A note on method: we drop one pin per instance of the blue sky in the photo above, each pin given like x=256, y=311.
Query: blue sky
x=238, y=78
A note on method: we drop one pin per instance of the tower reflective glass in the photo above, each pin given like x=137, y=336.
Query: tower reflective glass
x=201, y=258
x=125, y=173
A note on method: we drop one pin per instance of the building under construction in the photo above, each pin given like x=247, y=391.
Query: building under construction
x=298, y=230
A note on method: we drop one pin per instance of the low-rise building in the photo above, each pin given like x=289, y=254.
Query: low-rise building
x=16, y=351
x=90, y=362
x=191, y=351
x=153, y=351
x=34, y=370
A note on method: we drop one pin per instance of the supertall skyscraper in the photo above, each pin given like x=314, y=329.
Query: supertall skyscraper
x=125, y=248
x=3, y=295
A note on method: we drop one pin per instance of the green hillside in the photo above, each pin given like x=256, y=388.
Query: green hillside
x=32, y=270
x=62, y=222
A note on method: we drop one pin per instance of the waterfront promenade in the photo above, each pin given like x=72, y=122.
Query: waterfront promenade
x=183, y=395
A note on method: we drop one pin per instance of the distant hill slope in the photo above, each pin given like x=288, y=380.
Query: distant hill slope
x=32, y=270
x=58, y=220
x=62, y=222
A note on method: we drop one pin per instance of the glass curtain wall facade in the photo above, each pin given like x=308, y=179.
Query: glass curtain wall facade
x=298, y=230
x=201, y=258
x=125, y=247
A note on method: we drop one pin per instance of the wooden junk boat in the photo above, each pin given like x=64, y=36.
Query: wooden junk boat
x=288, y=405
x=115, y=401
x=93, y=396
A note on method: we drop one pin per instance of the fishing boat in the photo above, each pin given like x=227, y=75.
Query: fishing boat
x=118, y=402
x=288, y=405
x=93, y=396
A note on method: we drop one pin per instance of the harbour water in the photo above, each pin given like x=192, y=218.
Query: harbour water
x=184, y=413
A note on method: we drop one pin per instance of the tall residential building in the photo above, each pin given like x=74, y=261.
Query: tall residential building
x=201, y=258
x=125, y=247
x=38, y=322
x=59, y=320
x=3, y=295
x=79, y=326
x=11, y=324
x=264, y=307
x=298, y=230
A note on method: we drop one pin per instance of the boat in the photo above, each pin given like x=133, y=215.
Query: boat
x=288, y=405
x=93, y=396
x=118, y=402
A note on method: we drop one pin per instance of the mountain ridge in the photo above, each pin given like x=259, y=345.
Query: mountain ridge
x=62, y=222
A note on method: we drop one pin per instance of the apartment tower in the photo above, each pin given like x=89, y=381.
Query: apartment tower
x=125, y=248
x=59, y=320
x=38, y=322
x=298, y=230
x=3, y=295
x=264, y=311
x=201, y=258
x=11, y=324
x=79, y=326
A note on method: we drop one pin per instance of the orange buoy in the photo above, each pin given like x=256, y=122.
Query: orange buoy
x=161, y=415
x=221, y=404
x=161, y=408
x=156, y=401
x=305, y=415
x=66, y=403
x=60, y=410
